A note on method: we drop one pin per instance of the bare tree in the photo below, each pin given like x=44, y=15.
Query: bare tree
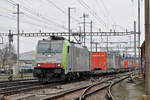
x=7, y=56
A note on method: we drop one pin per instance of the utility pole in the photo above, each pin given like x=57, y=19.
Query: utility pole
x=91, y=35
x=107, y=43
x=139, y=60
x=126, y=52
x=18, y=33
x=96, y=46
x=84, y=16
x=80, y=36
x=2, y=42
x=130, y=40
x=69, y=30
x=84, y=27
x=147, y=48
x=10, y=39
x=69, y=22
x=101, y=38
x=135, y=44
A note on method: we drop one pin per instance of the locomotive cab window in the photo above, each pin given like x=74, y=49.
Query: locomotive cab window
x=50, y=47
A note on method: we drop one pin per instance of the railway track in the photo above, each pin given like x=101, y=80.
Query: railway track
x=101, y=86
x=25, y=86
x=16, y=80
x=83, y=92
x=109, y=91
x=18, y=87
x=17, y=83
x=15, y=87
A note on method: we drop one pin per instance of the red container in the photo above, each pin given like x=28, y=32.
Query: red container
x=131, y=64
x=125, y=63
x=137, y=66
x=98, y=60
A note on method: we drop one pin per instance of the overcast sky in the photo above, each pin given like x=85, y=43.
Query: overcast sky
x=51, y=16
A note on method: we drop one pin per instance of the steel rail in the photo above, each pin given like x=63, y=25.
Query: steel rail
x=85, y=94
x=74, y=90
x=90, y=93
x=15, y=80
x=9, y=84
x=109, y=93
x=22, y=88
x=86, y=90
x=11, y=89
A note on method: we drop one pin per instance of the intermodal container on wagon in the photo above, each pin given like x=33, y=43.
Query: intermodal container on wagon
x=137, y=66
x=125, y=63
x=98, y=60
x=131, y=64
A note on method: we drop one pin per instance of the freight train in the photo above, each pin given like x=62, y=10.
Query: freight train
x=59, y=59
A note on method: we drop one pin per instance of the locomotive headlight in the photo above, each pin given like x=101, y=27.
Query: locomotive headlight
x=58, y=65
x=38, y=65
x=49, y=55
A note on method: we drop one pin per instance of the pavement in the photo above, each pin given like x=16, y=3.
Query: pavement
x=130, y=90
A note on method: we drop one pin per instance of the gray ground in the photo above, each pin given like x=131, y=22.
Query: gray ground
x=129, y=90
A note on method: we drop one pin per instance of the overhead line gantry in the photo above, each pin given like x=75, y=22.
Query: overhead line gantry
x=35, y=34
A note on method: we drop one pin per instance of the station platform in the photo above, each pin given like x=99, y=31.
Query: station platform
x=130, y=90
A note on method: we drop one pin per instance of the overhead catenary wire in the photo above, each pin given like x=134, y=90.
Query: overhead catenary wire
x=38, y=15
x=6, y=9
x=42, y=17
x=38, y=25
x=8, y=17
x=37, y=20
x=93, y=13
x=27, y=22
x=102, y=10
x=51, y=2
x=31, y=11
x=107, y=11
x=11, y=2
x=11, y=17
x=26, y=3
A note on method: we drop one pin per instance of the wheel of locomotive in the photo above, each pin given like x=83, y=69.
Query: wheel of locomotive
x=64, y=78
x=74, y=76
x=70, y=77
x=78, y=75
x=41, y=80
x=67, y=77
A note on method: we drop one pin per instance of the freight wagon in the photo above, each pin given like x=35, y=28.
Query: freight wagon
x=103, y=62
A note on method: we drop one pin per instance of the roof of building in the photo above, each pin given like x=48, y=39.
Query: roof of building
x=26, y=56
